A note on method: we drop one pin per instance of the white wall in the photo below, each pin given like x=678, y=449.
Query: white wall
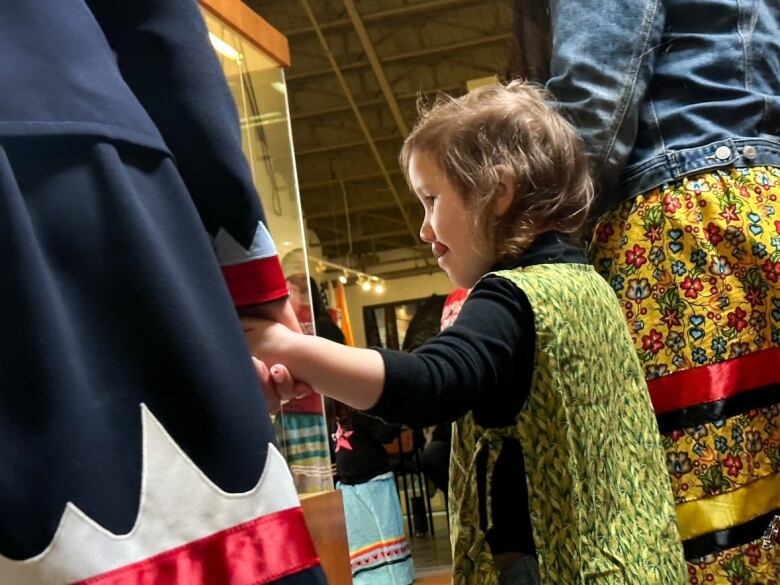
x=413, y=287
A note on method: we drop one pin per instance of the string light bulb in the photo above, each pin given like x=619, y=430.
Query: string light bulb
x=367, y=282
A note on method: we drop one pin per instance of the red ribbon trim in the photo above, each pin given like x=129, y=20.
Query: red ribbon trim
x=256, y=281
x=715, y=382
x=384, y=544
x=260, y=551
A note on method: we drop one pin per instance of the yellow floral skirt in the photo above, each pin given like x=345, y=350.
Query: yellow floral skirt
x=696, y=267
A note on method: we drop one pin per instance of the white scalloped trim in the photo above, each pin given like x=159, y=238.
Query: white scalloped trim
x=179, y=504
x=230, y=252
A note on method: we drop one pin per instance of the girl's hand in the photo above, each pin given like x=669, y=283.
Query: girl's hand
x=351, y=375
x=278, y=385
x=267, y=341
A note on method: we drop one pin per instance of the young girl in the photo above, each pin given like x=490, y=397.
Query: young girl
x=557, y=473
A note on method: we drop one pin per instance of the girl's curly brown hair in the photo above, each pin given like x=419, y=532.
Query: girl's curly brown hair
x=500, y=131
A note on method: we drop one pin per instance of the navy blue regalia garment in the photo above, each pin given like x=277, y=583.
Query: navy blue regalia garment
x=135, y=442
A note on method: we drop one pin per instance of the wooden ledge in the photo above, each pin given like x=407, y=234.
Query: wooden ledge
x=250, y=24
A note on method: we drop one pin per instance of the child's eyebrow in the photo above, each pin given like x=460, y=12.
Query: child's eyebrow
x=425, y=187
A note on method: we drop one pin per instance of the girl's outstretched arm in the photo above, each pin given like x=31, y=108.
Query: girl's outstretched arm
x=351, y=375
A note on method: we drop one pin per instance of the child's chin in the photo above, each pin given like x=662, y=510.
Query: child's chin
x=458, y=280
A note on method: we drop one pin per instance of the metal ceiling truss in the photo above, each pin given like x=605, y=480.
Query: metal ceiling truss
x=348, y=179
x=356, y=210
x=380, y=101
x=416, y=54
x=380, y=60
x=376, y=67
x=368, y=237
x=384, y=15
x=361, y=122
x=344, y=146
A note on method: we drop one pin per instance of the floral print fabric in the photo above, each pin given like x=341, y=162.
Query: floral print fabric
x=696, y=267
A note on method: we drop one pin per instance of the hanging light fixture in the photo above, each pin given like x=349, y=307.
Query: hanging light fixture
x=367, y=282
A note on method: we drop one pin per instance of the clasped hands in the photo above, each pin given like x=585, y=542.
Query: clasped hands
x=265, y=338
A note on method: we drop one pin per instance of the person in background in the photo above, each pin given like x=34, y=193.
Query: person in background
x=678, y=105
x=379, y=551
x=557, y=468
x=324, y=324
x=133, y=431
x=301, y=425
x=435, y=457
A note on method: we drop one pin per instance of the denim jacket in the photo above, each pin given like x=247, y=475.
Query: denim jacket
x=661, y=89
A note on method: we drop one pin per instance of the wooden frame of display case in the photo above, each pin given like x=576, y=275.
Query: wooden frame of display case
x=250, y=24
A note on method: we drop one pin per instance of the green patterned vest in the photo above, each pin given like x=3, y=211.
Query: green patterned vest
x=599, y=495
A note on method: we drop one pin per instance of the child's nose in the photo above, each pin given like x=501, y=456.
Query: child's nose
x=426, y=232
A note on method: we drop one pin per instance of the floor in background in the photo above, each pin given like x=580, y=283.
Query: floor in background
x=431, y=554
x=438, y=579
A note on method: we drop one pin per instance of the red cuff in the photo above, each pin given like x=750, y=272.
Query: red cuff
x=256, y=281
x=311, y=404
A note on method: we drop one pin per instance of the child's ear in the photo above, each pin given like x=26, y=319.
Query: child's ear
x=505, y=192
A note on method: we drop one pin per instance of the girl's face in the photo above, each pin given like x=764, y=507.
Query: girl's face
x=462, y=251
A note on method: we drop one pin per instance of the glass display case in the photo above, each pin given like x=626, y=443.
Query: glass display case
x=256, y=79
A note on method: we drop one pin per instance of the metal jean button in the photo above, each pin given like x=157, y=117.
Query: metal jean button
x=749, y=152
x=722, y=153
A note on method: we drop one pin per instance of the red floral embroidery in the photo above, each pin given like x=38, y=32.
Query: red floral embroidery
x=671, y=317
x=734, y=464
x=636, y=256
x=736, y=319
x=692, y=287
x=712, y=233
x=729, y=213
x=671, y=203
x=653, y=342
x=771, y=269
x=604, y=232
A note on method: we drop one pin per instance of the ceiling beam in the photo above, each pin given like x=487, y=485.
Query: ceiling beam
x=391, y=275
x=329, y=182
x=366, y=237
x=377, y=102
x=485, y=40
x=343, y=146
x=383, y=15
x=361, y=121
x=352, y=210
x=414, y=249
x=391, y=242
x=383, y=218
x=376, y=66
